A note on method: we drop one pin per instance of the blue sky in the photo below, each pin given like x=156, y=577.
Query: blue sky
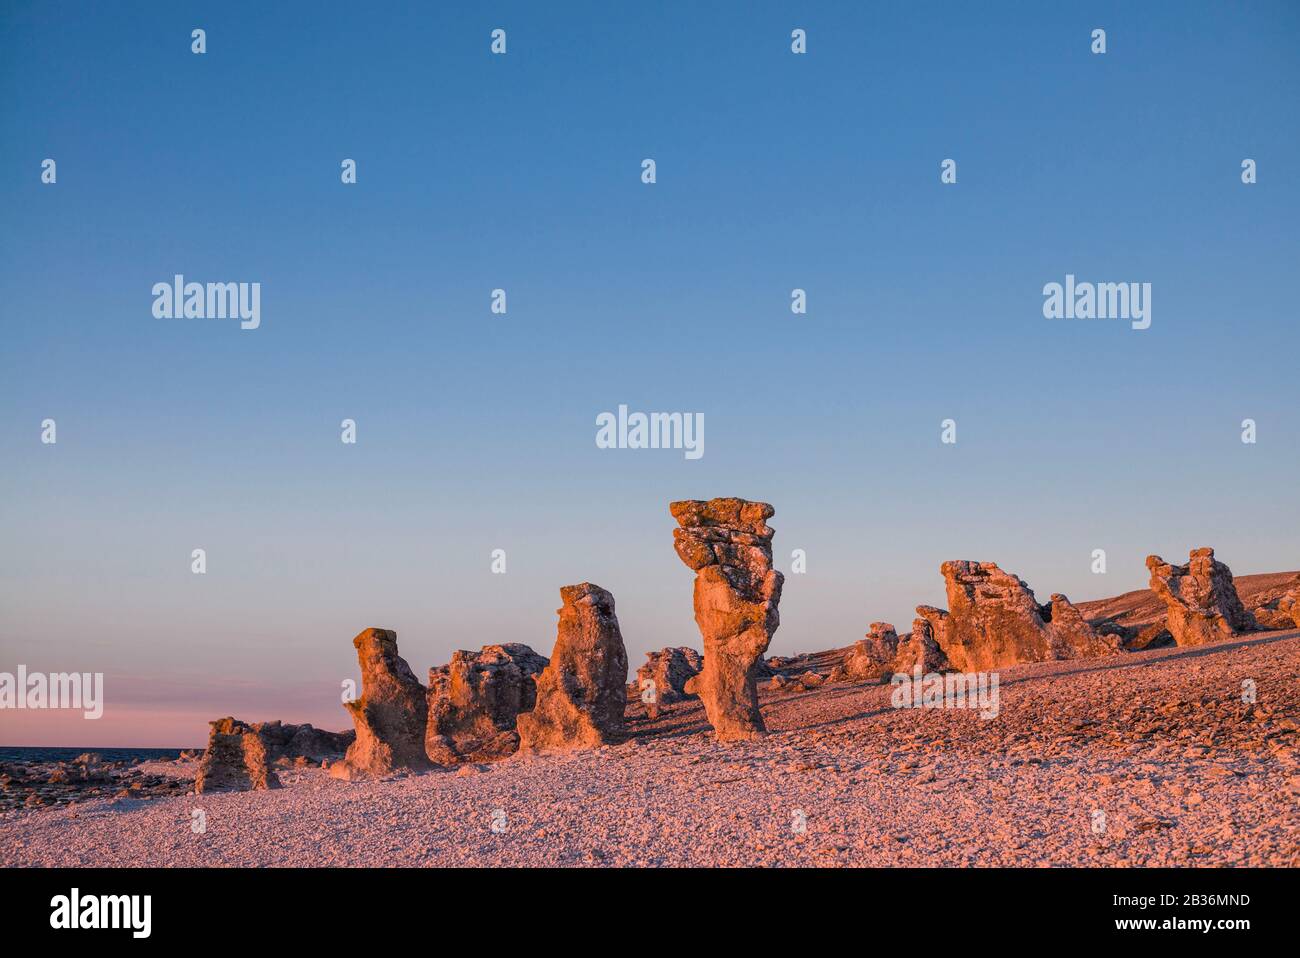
x=476, y=431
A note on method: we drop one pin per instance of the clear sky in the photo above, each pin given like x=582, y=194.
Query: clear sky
x=476, y=431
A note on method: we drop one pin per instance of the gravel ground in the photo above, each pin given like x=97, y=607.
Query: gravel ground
x=1145, y=759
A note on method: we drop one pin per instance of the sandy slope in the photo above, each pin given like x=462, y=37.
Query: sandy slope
x=1160, y=742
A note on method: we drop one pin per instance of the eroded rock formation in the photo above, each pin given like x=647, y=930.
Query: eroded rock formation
x=1289, y=604
x=871, y=657
x=932, y=622
x=884, y=652
x=302, y=743
x=1273, y=618
x=240, y=755
x=669, y=670
x=728, y=544
x=812, y=680
x=804, y=681
x=1153, y=635
x=236, y=759
x=1282, y=612
x=919, y=648
x=581, y=694
x=475, y=699
x=994, y=621
x=391, y=715
x=1201, y=598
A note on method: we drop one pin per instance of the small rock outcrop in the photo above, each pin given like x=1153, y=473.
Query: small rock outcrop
x=1273, y=618
x=1135, y=638
x=1153, y=636
x=804, y=681
x=235, y=760
x=812, y=680
x=669, y=670
x=1201, y=599
x=581, y=694
x=391, y=715
x=475, y=700
x=932, y=624
x=240, y=754
x=1289, y=604
x=1282, y=612
x=919, y=648
x=884, y=652
x=728, y=544
x=871, y=657
x=994, y=621
x=292, y=742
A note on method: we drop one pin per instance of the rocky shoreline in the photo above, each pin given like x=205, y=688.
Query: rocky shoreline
x=40, y=784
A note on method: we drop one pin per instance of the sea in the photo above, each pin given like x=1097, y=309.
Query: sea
x=9, y=753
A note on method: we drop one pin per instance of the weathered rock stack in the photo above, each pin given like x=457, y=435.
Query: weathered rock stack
x=390, y=716
x=919, y=649
x=871, y=657
x=925, y=649
x=475, y=700
x=884, y=652
x=236, y=759
x=581, y=694
x=240, y=755
x=1201, y=598
x=994, y=621
x=668, y=671
x=728, y=544
x=931, y=622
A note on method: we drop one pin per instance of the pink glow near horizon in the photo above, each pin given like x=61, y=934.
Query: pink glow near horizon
x=163, y=725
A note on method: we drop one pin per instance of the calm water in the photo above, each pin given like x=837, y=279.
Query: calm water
x=16, y=754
